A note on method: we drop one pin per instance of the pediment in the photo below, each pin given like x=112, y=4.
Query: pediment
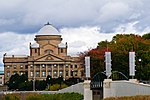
x=49, y=57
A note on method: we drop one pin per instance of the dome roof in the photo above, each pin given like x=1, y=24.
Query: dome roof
x=35, y=45
x=61, y=45
x=48, y=29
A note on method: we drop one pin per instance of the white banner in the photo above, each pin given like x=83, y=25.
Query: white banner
x=132, y=63
x=108, y=63
x=87, y=65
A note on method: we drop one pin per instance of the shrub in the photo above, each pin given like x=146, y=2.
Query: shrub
x=56, y=87
x=12, y=97
x=145, y=97
x=63, y=96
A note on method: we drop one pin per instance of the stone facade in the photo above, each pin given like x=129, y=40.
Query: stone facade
x=48, y=56
x=1, y=79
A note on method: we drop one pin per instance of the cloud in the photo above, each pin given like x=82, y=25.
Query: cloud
x=107, y=14
x=83, y=23
x=83, y=38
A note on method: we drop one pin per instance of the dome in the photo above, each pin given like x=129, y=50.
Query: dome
x=48, y=29
x=61, y=45
x=35, y=45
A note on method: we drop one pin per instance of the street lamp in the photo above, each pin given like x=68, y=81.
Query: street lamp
x=140, y=67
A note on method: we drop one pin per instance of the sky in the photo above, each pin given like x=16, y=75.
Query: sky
x=82, y=23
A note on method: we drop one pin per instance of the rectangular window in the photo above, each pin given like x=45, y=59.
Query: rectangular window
x=76, y=66
x=55, y=73
x=21, y=67
x=37, y=66
x=71, y=73
x=31, y=73
x=43, y=66
x=14, y=67
x=49, y=72
x=67, y=73
x=37, y=74
x=35, y=50
x=26, y=73
x=21, y=72
x=8, y=67
x=43, y=74
x=31, y=66
x=55, y=66
x=61, y=50
x=66, y=65
x=26, y=66
x=60, y=73
x=71, y=66
x=8, y=74
x=75, y=73
x=49, y=66
x=61, y=66
x=15, y=72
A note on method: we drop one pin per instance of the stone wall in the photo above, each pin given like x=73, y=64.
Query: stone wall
x=125, y=88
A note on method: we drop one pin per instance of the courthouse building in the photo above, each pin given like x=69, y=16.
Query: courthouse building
x=48, y=56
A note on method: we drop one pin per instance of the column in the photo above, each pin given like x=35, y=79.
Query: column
x=69, y=71
x=87, y=92
x=107, y=88
x=58, y=70
x=40, y=70
x=64, y=71
x=52, y=71
x=46, y=70
x=34, y=71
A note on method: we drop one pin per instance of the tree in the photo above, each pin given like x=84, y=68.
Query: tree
x=146, y=36
x=14, y=82
x=49, y=81
x=120, y=46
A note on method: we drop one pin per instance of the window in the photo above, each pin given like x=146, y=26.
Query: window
x=15, y=72
x=37, y=73
x=67, y=73
x=43, y=66
x=55, y=66
x=75, y=66
x=43, y=74
x=48, y=51
x=37, y=66
x=8, y=74
x=66, y=65
x=71, y=73
x=21, y=67
x=49, y=66
x=31, y=66
x=60, y=73
x=75, y=73
x=8, y=67
x=61, y=66
x=14, y=67
x=49, y=72
x=71, y=66
x=21, y=72
x=55, y=73
x=31, y=73
x=26, y=73
x=26, y=66
x=35, y=50
x=61, y=50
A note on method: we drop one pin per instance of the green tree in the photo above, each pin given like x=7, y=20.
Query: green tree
x=49, y=81
x=120, y=46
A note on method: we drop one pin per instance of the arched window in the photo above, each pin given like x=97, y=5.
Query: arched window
x=48, y=51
